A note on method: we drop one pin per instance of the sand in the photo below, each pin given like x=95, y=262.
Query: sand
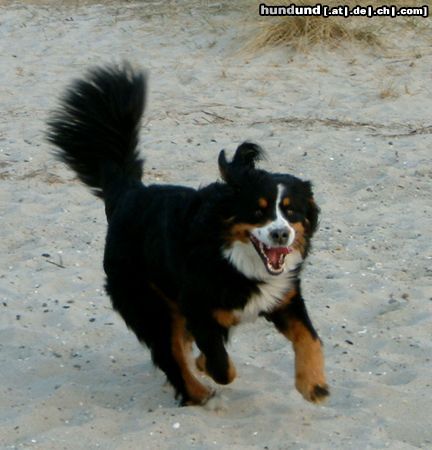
x=354, y=121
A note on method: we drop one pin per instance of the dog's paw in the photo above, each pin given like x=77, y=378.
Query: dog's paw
x=217, y=403
x=222, y=375
x=198, y=398
x=312, y=391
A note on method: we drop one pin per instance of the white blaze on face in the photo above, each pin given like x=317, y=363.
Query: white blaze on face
x=260, y=258
x=263, y=234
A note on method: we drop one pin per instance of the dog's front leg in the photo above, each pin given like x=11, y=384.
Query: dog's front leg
x=292, y=320
x=210, y=338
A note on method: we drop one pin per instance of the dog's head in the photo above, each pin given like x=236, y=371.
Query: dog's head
x=271, y=216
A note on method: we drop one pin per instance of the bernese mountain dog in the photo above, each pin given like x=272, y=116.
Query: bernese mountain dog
x=186, y=265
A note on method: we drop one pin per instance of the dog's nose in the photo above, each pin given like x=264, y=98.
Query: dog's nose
x=280, y=236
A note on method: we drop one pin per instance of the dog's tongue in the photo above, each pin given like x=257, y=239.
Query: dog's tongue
x=274, y=254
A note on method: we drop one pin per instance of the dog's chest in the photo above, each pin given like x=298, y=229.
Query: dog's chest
x=269, y=296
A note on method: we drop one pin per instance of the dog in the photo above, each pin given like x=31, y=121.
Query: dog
x=186, y=265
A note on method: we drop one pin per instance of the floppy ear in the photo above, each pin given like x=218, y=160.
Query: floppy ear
x=312, y=209
x=244, y=159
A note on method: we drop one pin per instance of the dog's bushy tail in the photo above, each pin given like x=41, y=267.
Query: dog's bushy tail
x=96, y=127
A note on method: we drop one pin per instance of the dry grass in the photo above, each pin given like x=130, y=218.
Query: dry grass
x=389, y=91
x=302, y=32
x=39, y=174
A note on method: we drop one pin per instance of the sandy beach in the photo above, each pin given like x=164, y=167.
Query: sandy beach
x=355, y=121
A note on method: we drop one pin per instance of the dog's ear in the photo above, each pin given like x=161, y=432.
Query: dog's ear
x=312, y=209
x=224, y=166
x=247, y=154
x=245, y=157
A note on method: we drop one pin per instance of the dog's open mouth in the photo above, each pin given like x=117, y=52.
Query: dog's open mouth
x=273, y=257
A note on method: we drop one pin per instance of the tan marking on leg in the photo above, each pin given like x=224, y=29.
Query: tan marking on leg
x=181, y=346
x=200, y=363
x=225, y=318
x=309, y=363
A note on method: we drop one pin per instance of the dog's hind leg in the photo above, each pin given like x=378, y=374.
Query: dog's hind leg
x=210, y=338
x=181, y=345
x=182, y=349
x=149, y=316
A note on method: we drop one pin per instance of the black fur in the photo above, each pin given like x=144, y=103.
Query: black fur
x=97, y=125
x=165, y=244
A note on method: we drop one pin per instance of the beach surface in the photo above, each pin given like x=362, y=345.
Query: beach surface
x=355, y=121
